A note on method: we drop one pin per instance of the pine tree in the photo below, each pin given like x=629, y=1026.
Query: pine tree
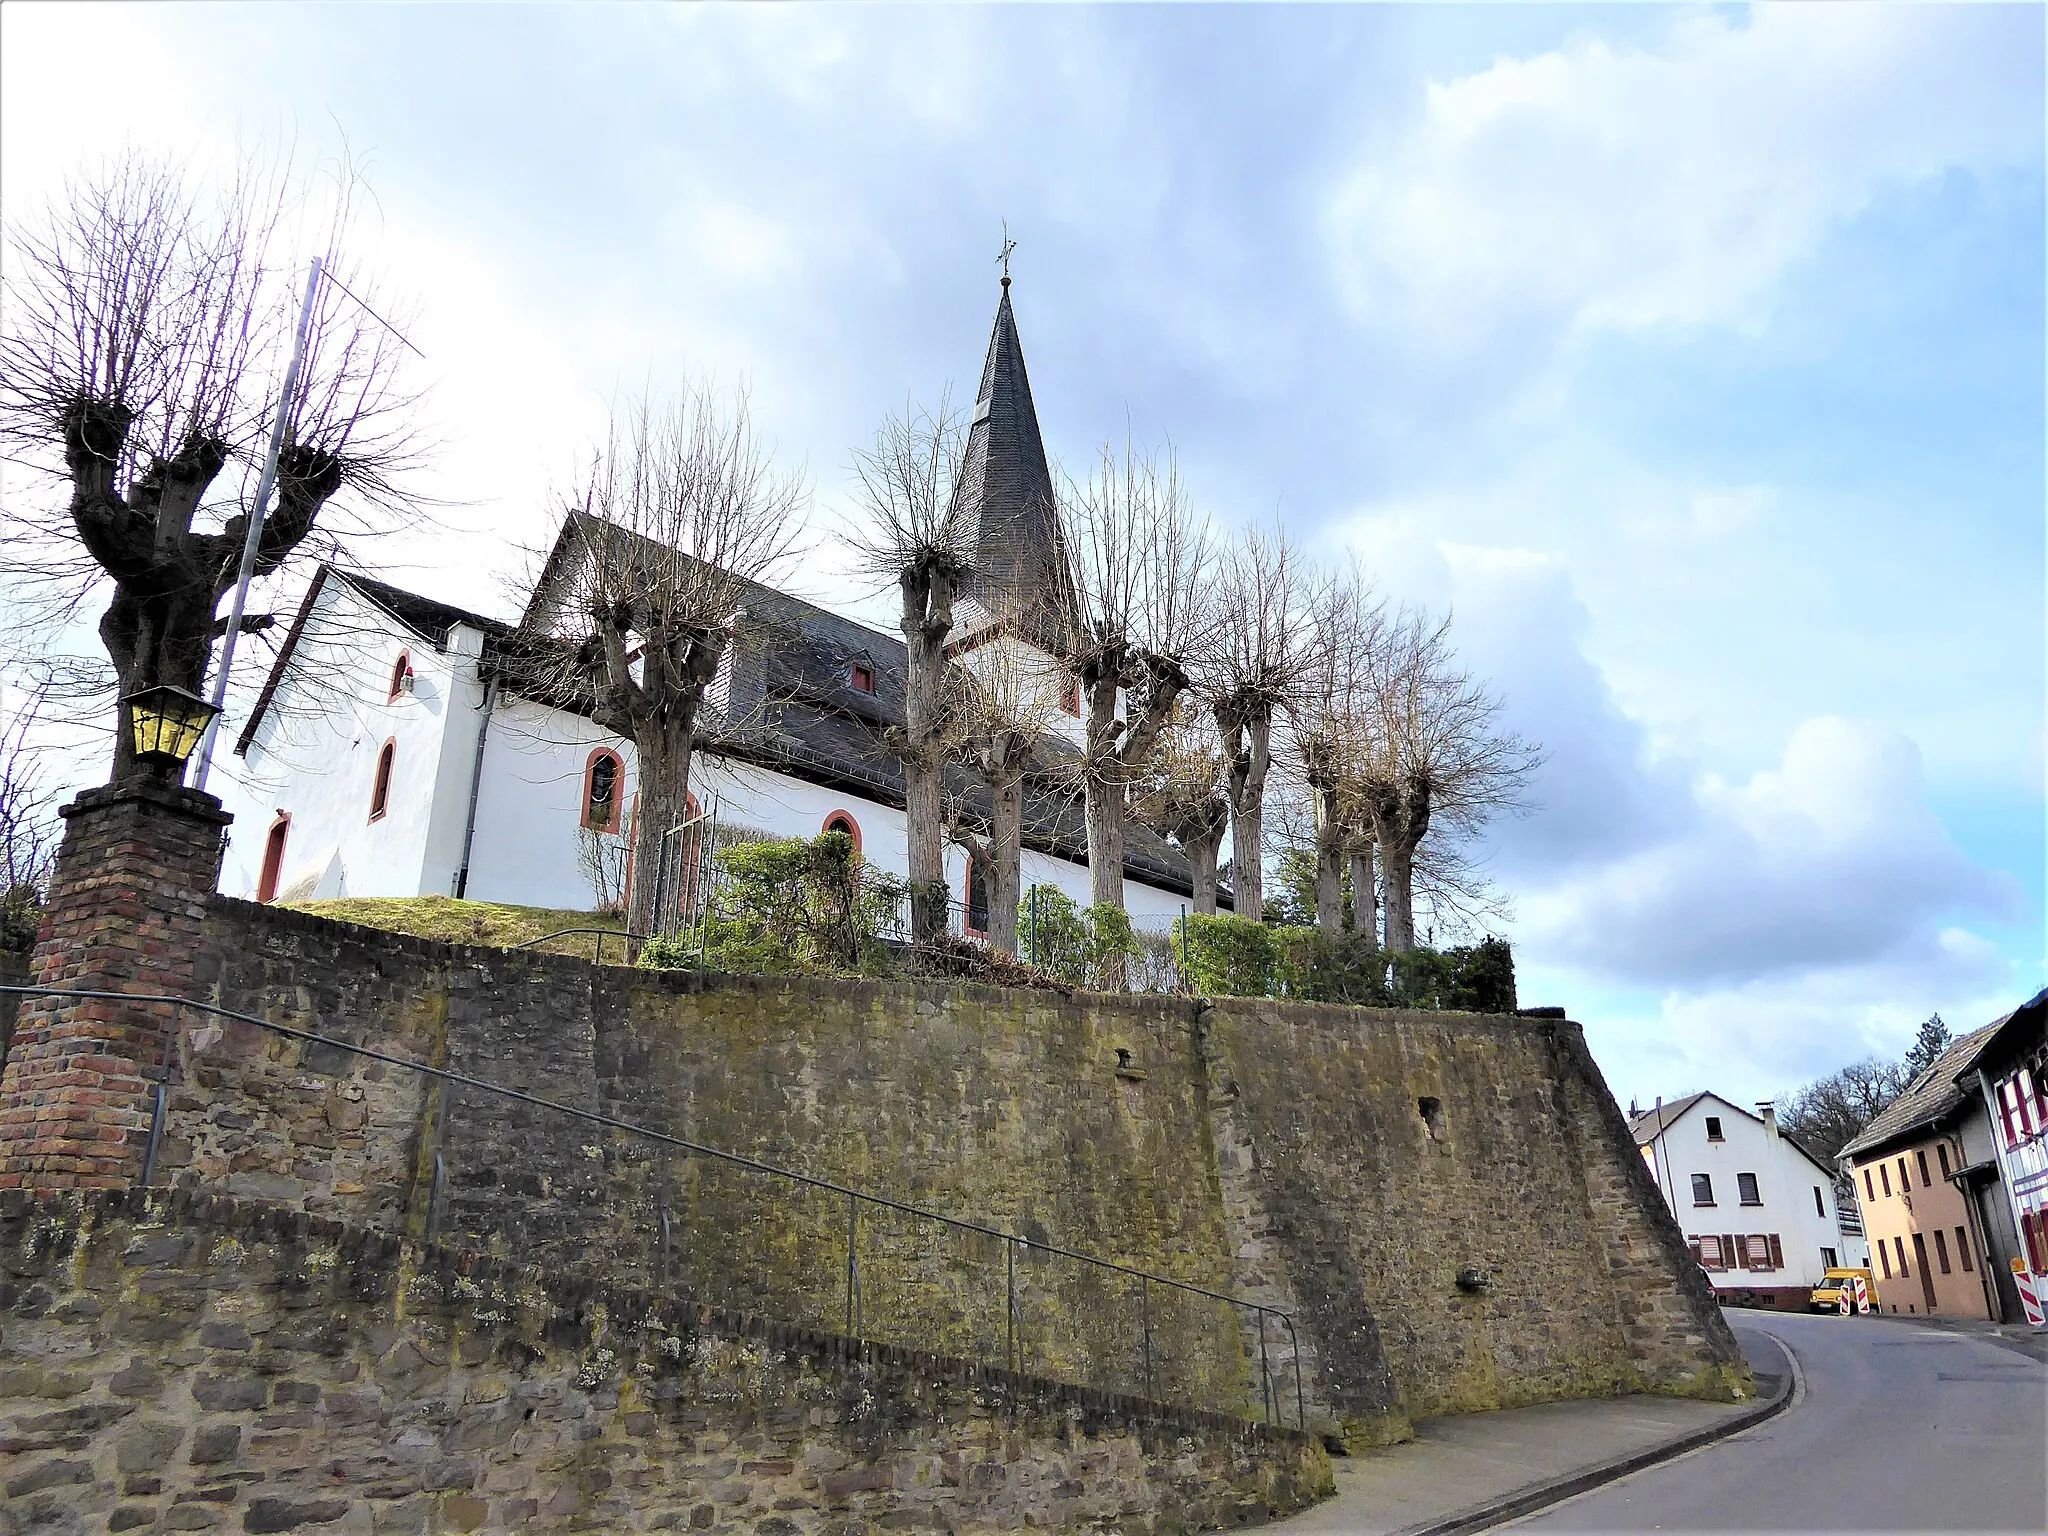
x=1934, y=1039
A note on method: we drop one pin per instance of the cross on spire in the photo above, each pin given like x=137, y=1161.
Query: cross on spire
x=1009, y=245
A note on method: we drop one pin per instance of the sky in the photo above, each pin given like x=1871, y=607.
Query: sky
x=1691, y=358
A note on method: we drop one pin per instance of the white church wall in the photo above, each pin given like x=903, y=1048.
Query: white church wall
x=530, y=805
x=315, y=760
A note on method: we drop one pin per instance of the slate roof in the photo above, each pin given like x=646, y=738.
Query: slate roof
x=1929, y=1099
x=1653, y=1122
x=1004, y=495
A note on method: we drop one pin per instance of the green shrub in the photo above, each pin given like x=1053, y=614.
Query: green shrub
x=789, y=907
x=1088, y=948
x=1230, y=956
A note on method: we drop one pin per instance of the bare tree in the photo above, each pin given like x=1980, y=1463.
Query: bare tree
x=913, y=536
x=1432, y=754
x=1183, y=794
x=602, y=858
x=1256, y=656
x=683, y=514
x=1138, y=556
x=1326, y=730
x=28, y=829
x=999, y=713
x=146, y=334
x=1831, y=1112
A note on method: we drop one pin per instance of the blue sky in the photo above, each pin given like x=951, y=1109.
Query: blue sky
x=1692, y=356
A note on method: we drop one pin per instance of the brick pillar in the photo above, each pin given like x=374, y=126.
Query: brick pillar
x=126, y=913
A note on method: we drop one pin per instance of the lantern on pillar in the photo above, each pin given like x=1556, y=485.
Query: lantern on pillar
x=165, y=724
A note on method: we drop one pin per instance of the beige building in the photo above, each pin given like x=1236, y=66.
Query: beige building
x=1927, y=1240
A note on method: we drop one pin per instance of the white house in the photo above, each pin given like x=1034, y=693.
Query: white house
x=1758, y=1209
x=396, y=751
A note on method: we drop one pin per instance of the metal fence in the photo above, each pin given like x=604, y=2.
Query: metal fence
x=866, y=1264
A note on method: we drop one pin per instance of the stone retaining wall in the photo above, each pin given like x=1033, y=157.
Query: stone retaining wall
x=175, y=1362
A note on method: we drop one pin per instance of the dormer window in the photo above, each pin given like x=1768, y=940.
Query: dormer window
x=860, y=677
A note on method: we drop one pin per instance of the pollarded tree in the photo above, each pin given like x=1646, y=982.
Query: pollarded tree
x=1431, y=754
x=148, y=328
x=999, y=713
x=1327, y=731
x=1138, y=556
x=682, y=515
x=1257, y=653
x=912, y=536
x=1184, y=795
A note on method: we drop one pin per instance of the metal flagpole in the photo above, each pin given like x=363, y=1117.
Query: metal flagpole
x=265, y=484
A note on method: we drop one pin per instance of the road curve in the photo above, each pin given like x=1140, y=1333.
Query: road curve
x=1897, y=1427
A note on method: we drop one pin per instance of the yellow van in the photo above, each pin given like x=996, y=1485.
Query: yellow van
x=1827, y=1296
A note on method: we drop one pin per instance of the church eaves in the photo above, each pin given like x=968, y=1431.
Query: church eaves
x=1004, y=494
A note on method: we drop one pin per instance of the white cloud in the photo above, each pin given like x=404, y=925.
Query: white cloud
x=1616, y=187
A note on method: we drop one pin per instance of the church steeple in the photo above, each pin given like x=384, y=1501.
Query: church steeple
x=1004, y=495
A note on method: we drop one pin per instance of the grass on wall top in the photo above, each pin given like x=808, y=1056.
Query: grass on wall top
x=468, y=922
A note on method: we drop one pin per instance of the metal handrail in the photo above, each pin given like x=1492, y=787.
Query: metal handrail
x=853, y=1196
x=596, y=950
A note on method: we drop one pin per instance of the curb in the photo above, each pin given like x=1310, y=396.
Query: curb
x=1526, y=1501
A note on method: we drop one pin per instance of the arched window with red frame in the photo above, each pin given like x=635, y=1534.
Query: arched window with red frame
x=401, y=676
x=842, y=821
x=604, y=785
x=380, y=787
x=1070, y=694
x=273, y=857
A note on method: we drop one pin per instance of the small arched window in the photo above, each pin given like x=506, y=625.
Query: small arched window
x=380, y=788
x=1070, y=694
x=842, y=821
x=977, y=898
x=603, y=784
x=401, y=676
x=273, y=858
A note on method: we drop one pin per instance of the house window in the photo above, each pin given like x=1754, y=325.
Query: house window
x=273, y=857
x=1829, y=1260
x=1745, y=1189
x=1070, y=695
x=860, y=677
x=1714, y=1128
x=1702, y=1189
x=380, y=788
x=1760, y=1251
x=1884, y=1172
x=1905, y=1176
x=1708, y=1251
x=842, y=821
x=977, y=898
x=2005, y=1112
x=1868, y=1192
x=1942, y=1152
x=1899, y=1248
x=1920, y=1155
x=1820, y=1206
x=604, y=777
x=1963, y=1249
x=1941, y=1248
x=1884, y=1258
x=401, y=676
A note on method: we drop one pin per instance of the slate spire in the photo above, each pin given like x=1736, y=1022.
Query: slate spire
x=1005, y=494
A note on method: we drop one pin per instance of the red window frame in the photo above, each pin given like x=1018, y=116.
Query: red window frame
x=400, y=671
x=611, y=822
x=273, y=856
x=842, y=821
x=380, y=784
x=1070, y=696
x=860, y=677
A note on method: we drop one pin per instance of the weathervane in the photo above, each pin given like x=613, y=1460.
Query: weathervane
x=1009, y=245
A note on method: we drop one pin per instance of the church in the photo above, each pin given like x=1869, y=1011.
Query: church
x=394, y=751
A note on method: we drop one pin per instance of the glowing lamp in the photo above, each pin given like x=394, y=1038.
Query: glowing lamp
x=166, y=723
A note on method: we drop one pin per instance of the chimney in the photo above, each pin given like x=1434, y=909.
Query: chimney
x=1766, y=1109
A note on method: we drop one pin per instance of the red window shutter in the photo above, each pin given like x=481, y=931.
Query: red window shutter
x=1777, y=1252
x=1731, y=1256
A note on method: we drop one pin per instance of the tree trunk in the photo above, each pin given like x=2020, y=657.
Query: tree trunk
x=1365, y=906
x=1247, y=751
x=1329, y=847
x=662, y=777
x=1005, y=874
x=1202, y=852
x=1104, y=802
x=1399, y=864
x=926, y=621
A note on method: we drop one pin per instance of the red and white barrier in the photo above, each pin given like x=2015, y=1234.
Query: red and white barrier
x=1862, y=1296
x=2030, y=1292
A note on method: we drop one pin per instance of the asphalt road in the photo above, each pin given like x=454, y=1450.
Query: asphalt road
x=1896, y=1427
